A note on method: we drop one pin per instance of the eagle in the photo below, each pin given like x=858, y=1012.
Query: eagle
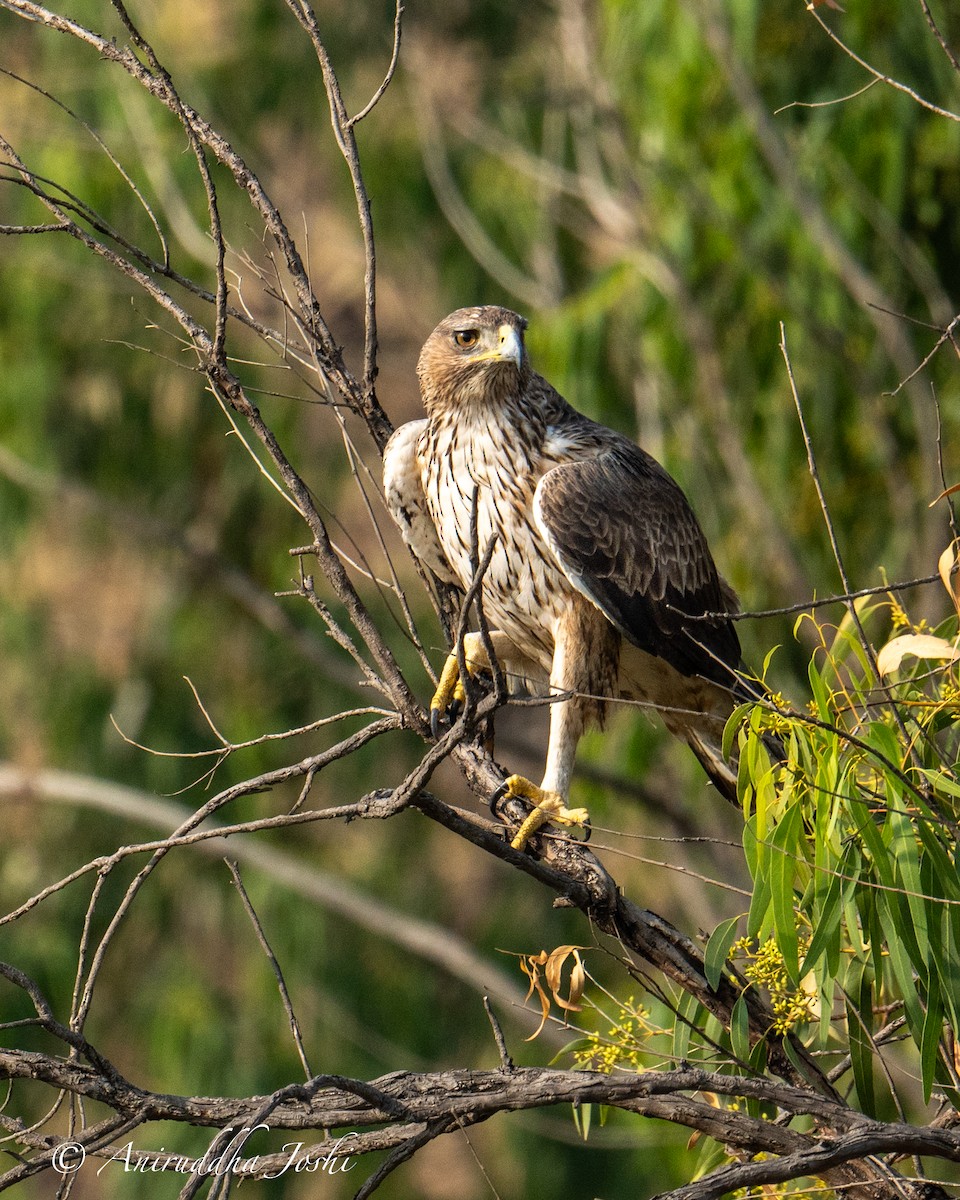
x=598, y=584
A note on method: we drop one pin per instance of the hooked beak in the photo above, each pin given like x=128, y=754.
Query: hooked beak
x=509, y=348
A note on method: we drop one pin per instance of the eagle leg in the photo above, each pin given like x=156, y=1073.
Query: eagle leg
x=584, y=646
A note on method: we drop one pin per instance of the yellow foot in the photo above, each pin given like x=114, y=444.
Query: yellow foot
x=548, y=807
x=449, y=698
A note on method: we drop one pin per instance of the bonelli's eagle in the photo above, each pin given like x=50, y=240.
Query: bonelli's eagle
x=598, y=565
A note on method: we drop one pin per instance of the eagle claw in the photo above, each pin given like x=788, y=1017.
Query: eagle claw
x=548, y=807
x=448, y=700
x=440, y=717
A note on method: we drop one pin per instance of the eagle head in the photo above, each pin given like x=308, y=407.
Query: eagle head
x=476, y=356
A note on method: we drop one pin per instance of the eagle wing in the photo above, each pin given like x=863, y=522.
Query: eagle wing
x=403, y=492
x=626, y=538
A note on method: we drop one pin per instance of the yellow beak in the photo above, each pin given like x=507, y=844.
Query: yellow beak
x=509, y=348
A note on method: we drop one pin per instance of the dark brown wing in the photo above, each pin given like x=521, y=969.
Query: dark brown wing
x=626, y=537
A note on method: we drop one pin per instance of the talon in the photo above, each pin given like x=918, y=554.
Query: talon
x=450, y=697
x=446, y=694
x=548, y=807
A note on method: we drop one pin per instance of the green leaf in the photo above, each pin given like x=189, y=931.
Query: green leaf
x=859, y=1007
x=943, y=867
x=790, y=1049
x=945, y=961
x=718, y=950
x=740, y=1029
x=755, y=852
x=872, y=839
x=783, y=865
x=943, y=782
x=900, y=963
x=883, y=740
x=758, y=1059
x=582, y=1114
x=826, y=930
x=930, y=1042
x=732, y=728
x=905, y=852
x=710, y=1156
x=688, y=1009
x=821, y=694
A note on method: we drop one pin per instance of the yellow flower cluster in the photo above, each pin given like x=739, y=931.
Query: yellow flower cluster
x=898, y=616
x=764, y=968
x=776, y=722
x=624, y=1045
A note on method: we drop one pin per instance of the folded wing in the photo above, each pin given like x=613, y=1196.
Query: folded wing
x=626, y=537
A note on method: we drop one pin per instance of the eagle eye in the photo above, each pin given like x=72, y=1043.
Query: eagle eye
x=466, y=339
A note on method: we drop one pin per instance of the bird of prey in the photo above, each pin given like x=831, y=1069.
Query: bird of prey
x=598, y=571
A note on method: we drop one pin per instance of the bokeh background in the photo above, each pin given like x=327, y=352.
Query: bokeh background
x=656, y=187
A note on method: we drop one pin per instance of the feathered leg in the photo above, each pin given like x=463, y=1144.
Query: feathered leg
x=582, y=675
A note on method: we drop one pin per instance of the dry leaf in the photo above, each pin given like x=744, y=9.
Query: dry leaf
x=945, y=566
x=530, y=965
x=955, y=487
x=918, y=645
x=553, y=964
x=554, y=973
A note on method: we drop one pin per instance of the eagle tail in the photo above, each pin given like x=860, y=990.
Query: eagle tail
x=721, y=772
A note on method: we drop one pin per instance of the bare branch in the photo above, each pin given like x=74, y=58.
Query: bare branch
x=388, y=78
x=274, y=966
x=343, y=131
x=879, y=75
x=935, y=30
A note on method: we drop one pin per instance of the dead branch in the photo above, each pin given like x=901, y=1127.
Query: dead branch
x=407, y=1103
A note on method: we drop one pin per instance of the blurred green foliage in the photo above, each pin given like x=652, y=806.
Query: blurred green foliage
x=657, y=187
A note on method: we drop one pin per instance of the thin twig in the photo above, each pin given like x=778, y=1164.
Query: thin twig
x=865, y=642
x=811, y=604
x=346, y=140
x=207, y=810
x=391, y=71
x=274, y=965
x=946, y=335
x=879, y=75
x=506, y=1062
x=114, y=161
x=402, y=1154
x=945, y=489
x=944, y=44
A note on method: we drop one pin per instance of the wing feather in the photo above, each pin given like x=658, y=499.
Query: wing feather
x=626, y=537
x=403, y=492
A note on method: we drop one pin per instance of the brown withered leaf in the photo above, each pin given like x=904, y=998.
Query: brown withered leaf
x=530, y=965
x=554, y=972
x=549, y=969
x=945, y=567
